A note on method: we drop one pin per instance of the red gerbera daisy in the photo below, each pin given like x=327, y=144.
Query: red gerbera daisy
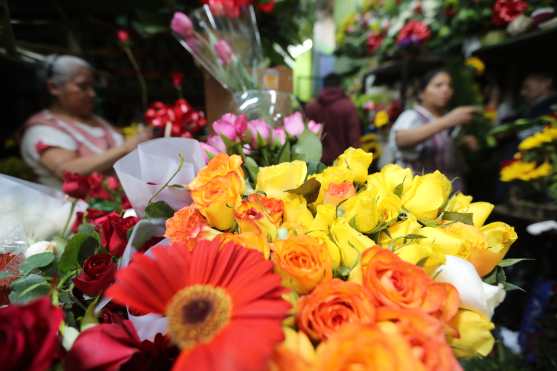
x=223, y=304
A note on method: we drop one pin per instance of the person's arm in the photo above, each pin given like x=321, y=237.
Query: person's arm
x=60, y=160
x=411, y=137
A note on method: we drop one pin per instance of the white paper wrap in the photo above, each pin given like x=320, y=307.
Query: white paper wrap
x=143, y=171
x=30, y=212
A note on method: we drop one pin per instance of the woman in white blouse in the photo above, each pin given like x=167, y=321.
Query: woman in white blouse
x=68, y=136
x=422, y=137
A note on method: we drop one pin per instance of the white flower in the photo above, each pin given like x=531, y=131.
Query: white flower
x=474, y=293
x=40, y=247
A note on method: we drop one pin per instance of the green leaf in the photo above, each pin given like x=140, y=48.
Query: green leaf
x=466, y=218
x=341, y=272
x=315, y=167
x=28, y=288
x=70, y=258
x=308, y=147
x=251, y=168
x=412, y=236
x=89, y=318
x=491, y=278
x=285, y=153
x=399, y=188
x=104, y=205
x=4, y=275
x=159, y=210
x=310, y=190
x=422, y=261
x=36, y=261
x=86, y=228
x=510, y=262
x=511, y=287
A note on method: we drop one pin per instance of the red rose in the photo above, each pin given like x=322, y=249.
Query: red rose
x=75, y=185
x=112, y=183
x=123, y=36
x=29, y=335
x=177, y=79
x=505, y=11
x=114, y=232
x=96, y=216
x=96, y=187
x=374, y=42
x=413, y=33
x=78, y=221
x=266, y=6
x=98, y=273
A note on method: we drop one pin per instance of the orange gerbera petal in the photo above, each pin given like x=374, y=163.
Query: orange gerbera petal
x=210, y=296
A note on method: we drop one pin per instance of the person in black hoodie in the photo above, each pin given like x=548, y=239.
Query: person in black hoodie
x=339, y=116
x=538, y=91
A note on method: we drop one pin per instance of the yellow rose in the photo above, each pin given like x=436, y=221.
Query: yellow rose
x=357, y=161
x=381, y=119
x=463, y=204
x=426, y=195
x=324, y=217
x=361, y=210
x=400, y=229
x=474, y=334
x=426, y=255
x=331, y=175
x=220, y=165
x=296, y=213
x=332, y=248
x=248, y=240
x=394, y=176
x=338, y=192
x=276, y=179
x=443, y=241
x=499, y=237
x=350, y=242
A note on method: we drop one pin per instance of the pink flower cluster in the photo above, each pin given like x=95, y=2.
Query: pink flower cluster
x=256, y=133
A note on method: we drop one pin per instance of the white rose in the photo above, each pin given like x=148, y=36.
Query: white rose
x=40, y=247
x=474, y=293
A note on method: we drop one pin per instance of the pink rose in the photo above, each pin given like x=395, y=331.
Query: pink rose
x=182, y=25
x=294, y=124
x=224, y=52
x=258, y=128
x=226, y=126
x=217, y=143
x=279, y=136
x=208, y=151
x=315, y=128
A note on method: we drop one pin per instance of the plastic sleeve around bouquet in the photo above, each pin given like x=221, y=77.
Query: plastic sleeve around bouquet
x=229, y=48
x=30, y=212
x=145, y=170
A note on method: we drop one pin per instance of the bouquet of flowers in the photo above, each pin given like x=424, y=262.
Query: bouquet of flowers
x=223, y=38
x=535, y=163
x=178, y=120
x=262, y=144
x=378, y=110
x=326, y=270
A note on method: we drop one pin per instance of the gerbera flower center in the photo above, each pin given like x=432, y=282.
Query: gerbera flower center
x=197, y=313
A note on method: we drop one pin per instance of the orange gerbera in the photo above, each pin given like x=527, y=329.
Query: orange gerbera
x=218, y=303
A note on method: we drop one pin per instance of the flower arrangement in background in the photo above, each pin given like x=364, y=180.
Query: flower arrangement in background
x=378, y=109
x=535, y=163
x=261, y=144
x=232, y=8
x=178, y=120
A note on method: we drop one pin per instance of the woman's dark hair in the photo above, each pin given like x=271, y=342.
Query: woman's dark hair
x=424, y=81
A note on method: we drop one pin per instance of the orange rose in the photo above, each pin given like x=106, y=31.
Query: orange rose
x=220, y=165
x=425, y=335
x=397, y=284
x=186, y=225
x=332, y=304
x=248, y=240
x=217, y=190
x=260, y=215
x=367, y=347
x=302, y=262
x=338, y=192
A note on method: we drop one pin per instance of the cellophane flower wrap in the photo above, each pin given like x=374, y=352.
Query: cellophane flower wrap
x=227, y=44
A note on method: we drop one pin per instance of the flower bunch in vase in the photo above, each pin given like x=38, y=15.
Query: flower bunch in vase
x=177, y=120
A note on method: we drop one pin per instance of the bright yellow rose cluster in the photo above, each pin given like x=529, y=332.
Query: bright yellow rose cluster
x=547, y=135
x=525, y=171
x=315, y=226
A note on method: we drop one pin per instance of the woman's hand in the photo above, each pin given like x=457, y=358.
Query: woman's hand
x=461, y=115
x=142, y=136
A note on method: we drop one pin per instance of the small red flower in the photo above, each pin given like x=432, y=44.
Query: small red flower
x=177, y=79
x=112, y=183
x=98, y=273
x=374, y=42
x=75, y=185
x=266, y=6
x=413, y=33
x=123, y=36
x=29, y=335
x=505, y=11
x=96, y=187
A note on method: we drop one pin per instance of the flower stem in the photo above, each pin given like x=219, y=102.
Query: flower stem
x=66, y=226
x=140, y=78
x=180, y=165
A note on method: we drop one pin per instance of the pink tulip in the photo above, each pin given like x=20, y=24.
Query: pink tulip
x=279, y=136
x=224, y=52
x=241, y=125
x=315, y=128
x=182, y=25
x=216, y=142
x=258, y=128
x=226, y=126
x=294, y=124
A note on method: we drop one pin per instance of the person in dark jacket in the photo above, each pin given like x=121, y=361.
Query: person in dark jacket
x=341, y=125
